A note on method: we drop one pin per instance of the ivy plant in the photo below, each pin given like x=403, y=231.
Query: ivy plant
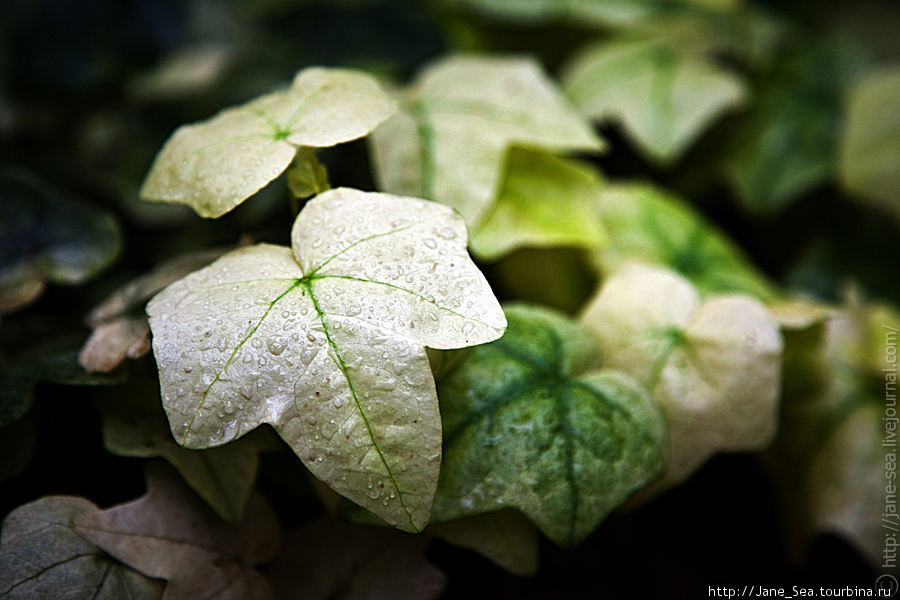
x=365, y=299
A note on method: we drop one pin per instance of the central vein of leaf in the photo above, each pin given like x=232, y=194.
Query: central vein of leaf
x=342, y=365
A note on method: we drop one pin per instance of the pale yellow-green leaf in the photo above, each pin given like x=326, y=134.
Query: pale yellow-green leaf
x=326, y=343
x=307, y=176
x=215, y=165
x=714, y=366
x=544, y=201
x=870, y=149
x=449, y=141
x=664, y=98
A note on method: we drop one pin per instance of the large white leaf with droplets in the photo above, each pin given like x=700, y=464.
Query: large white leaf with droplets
x=215, y=165
x=326, y=343
x=449, y=141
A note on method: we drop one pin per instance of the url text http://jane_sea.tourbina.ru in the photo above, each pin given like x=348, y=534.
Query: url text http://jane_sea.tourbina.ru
x=884, y=587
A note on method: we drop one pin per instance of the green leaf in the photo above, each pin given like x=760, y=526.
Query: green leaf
x=786, y=145
x=456, y=123
x=215, y=165
x=664, y=98
x=170, y=533
x=46, y=237
x=505, y=537
x=42, y=556
x=531, y=425
x=646, y=223
x=713, y=366
x=870, y=148
x=544, y=201
x=327, y=344
x=327, y=560
x=134, y=424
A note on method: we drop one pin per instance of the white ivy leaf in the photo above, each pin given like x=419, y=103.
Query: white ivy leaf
x=714, y=366
x=449, y=141
x=664, y=98
x=215, y=165
x=327, y=344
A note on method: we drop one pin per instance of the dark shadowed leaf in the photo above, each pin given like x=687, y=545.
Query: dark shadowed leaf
x=47, y=238
x=41, y=556
x=505, y=537
x=134, y=424
x=327, y=560
x=171, y=534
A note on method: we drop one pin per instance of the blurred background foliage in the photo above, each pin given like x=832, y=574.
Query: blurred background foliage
x=777, y=122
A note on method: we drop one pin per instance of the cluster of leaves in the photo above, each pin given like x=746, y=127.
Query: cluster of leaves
x=637, y=338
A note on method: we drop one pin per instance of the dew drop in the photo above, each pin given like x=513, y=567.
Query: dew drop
x=188, y=368
x=447, y=233
x=276, y=345
x=310, y=336
x=430, y=243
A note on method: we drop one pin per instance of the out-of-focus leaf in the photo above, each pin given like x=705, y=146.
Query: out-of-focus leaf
x=787, y=144
x=41, y=556
x=17, y=380
x=544, y=201
x=531, y=423
x=45, y=237
x=327, y=560
x=505, y=537
x=134, y=424
x=187, y=72
x=307, y=176
x=327, y=344
x=215, y=165
x=594, y=13
x=665, y=98
x=171, y=534
x=840, y=428
x=870, y=149
x=450, y=139
x=648, y=224
x=118, y=331
x=713, y=366
x=112, y=342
